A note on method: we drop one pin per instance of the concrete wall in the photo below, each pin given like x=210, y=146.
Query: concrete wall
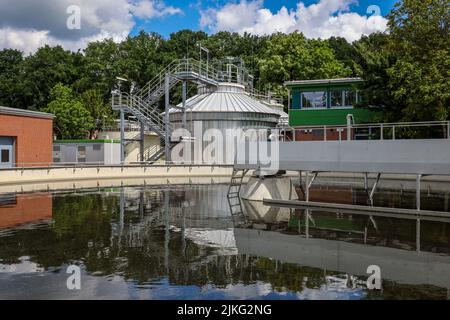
x=384, y=156
x=95, y=153
x=33, y=138
x=17, y=176
x=152, y=143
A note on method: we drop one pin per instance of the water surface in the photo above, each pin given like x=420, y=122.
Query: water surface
x=180, y=242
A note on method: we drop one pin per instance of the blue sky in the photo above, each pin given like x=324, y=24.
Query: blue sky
x=190, y=17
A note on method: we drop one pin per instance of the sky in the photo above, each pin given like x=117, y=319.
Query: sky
x=29, y=24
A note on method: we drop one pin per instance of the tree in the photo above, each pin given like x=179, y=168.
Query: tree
x=100, y=68
x=344, y=52
x=293, y=57
x=373, y=59
x=72, y=119
x=420, y=78
x=43, y=70
x=100, y=111
x=11, y=64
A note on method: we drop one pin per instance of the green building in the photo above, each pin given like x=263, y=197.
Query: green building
x=325, y=102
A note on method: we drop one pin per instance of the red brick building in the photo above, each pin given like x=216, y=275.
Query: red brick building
x=26, y=138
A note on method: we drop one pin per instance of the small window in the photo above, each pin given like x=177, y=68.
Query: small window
x=317, y=99
x=349, y=98
x=82, y=151
x=336, y=98
x=5, y=156
x=97, y=147
x=81, y=159
x=56, y=160
x=56, y=148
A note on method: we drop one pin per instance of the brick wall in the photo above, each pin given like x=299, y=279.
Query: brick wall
x=34, y=138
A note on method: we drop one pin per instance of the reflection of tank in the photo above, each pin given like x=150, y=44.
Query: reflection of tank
x=396, y=264
x=256, y=211
x=259, y=188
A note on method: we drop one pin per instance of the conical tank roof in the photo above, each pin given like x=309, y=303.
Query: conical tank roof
x=228, y=97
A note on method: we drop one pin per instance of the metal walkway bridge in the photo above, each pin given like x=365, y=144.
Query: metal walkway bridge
x=419, y=149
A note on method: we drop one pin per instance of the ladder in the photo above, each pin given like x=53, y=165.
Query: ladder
x=234, y=190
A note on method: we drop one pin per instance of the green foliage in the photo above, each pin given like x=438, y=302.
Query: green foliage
x=344, y=52
x=100, y=111
x=10, y=64
x=408, y=71
x=293, y=57
x=72, y=119
x=420, y=78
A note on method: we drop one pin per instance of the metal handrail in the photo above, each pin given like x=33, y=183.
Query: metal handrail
x=374, y=128
x=98, y=165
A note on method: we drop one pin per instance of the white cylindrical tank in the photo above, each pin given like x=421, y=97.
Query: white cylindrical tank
x=226, y=111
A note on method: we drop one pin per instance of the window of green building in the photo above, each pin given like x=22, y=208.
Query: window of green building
x=349, y=98
x=314, y=99
x=337, y=99
x=296, y=100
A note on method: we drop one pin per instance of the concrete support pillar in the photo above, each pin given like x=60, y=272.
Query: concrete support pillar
x=142, y=143
x=184, y=94
x=418, y=180
x=166, y=117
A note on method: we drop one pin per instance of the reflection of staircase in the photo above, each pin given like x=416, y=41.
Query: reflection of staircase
x=234, y=190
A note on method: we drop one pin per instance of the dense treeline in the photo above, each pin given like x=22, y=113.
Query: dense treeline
x=407, y=69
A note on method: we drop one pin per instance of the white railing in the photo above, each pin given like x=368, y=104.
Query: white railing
x=372, y=131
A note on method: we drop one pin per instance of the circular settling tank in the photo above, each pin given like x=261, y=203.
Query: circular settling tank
x=221, y=116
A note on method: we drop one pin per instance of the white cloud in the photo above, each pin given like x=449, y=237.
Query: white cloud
x=29, y=24
x=320, y=20
x=147, y=9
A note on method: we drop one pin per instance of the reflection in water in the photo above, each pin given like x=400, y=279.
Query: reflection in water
x=181, y=243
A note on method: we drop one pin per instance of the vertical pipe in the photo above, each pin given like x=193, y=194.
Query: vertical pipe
x=166, y=117
x=184, y=93
x=381, y=132
x=366, y=182
x=393, y=132
x=325, y=133
x=122, y=136
x=307, y=223
x=418, y=177
x=349, y=127
x=448, y=129
x=142, y=142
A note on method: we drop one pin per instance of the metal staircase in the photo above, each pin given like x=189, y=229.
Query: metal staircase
x=143, y=104
x=234, y=190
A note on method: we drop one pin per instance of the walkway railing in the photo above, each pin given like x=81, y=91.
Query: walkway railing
x=95, y=164
x=372, y=131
